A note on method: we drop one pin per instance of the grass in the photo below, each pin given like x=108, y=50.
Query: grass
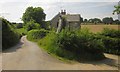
x=57, y=57
x=99, y=28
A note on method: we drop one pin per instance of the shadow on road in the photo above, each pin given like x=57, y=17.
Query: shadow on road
x=106, y=61
x=14, y=48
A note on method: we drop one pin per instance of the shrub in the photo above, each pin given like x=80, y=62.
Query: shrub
x=111, y=33
x=111, y=40
x=35, y=35
x=9, y=36
x=22, y=31
x=32, y=25
x=73, y=45
x=19, y=25
x=111, y=45
x=50, y=43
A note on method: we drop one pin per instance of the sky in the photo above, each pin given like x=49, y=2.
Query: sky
x=14, y=9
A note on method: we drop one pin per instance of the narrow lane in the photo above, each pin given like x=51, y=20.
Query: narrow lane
x=28, y=56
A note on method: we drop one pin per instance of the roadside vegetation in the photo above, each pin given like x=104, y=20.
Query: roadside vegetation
x=73, y=45
x=79, y=45
x=35, y=35
x=111, y=40
x=9, y=35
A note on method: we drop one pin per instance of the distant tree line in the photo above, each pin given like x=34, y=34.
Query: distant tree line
x=106, y=20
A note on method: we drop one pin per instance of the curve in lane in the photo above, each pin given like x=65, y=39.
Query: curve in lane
x=28, y=56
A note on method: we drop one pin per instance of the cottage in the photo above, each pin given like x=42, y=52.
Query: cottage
x=68, y=21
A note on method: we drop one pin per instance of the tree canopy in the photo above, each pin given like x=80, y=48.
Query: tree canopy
x=95, y=20
x=37, y=14
x=107, y=20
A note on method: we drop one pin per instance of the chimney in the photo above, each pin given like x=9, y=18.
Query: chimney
x=61, y=11
x=64, y=12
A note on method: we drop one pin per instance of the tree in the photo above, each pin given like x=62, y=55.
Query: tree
x=32, y=25
x=107, y=20
x=117, y=9
x=95, y=20
x=37, y=14
x=85, y=20
x=81, y=19
x=117, y=21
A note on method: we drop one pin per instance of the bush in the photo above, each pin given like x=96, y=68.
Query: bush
x=9, y=36
x=32, y=25
x=111, y=45
x=19, y=25
x=111, y=40
x=22, y=31
x=35, y=35
x=111, y=33
x=73, y=45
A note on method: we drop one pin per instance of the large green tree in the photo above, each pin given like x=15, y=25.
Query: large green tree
x=107, y=20
x=37, y=14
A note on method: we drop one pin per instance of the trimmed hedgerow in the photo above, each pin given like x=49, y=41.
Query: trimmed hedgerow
x=9, y=35
x=35, y=35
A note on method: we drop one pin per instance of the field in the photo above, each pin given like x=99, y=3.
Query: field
x=99, y=28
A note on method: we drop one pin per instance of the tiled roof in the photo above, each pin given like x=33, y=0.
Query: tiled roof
x=72, y=17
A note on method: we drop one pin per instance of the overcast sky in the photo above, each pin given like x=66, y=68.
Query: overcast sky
x=14, y=9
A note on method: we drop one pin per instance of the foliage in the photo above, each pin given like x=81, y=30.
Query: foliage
x=37, y=14
x=111, y=40
x=117, y=9
x=22, y=31
x=47, y=25
x=35, y=35
x=32, y=25
x=85, y=21
x=19, y=25
x=81, y=19
x=73, y=45
x=111, y=45
x=9, y=36
x=111, y=33
x=117, y=21
x=107, y=20
x=95, y=20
